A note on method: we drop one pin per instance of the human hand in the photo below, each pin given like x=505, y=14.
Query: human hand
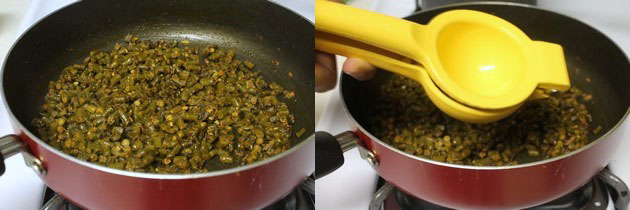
x=326, y=70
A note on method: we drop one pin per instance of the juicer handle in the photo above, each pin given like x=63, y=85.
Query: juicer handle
x=380, y=58
x=372, y=29
x=329, y=151
x=388, y=61
x=11, y=145
x=551, y=66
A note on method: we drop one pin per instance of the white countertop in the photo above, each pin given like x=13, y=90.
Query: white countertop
x=19, y=183
x=11, y=14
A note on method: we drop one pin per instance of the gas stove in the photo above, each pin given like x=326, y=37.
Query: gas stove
x=594, y=195
x=364, y=189
x=300, y=199
x=23, y=190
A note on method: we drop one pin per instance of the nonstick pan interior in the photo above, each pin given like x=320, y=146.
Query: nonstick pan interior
x=259, y=31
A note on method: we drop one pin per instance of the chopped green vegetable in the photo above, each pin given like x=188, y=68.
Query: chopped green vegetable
x=540, y=129
x=154, y=107
x=300, y=132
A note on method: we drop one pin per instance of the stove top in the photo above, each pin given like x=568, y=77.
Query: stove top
x=302, y=198
x=594, y=195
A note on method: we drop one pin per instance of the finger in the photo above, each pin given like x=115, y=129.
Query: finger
x=359, y=69
x=325, y=72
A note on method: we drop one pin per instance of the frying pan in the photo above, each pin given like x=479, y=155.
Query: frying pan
x=260, y=31
x=589, y=54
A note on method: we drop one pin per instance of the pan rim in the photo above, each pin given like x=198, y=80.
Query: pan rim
x=492, y=168
x=13, y=119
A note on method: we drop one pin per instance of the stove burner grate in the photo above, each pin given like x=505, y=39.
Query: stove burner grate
x=592, y=196
x=302, y=198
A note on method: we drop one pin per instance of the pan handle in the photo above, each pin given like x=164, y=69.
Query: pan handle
x=11, y=145
x=329, y=151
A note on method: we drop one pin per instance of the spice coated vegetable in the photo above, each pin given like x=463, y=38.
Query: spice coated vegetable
x=155, y=107
x=541, y=129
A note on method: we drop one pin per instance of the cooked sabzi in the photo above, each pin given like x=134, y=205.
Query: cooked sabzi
x=540, y=129
x=162, y=108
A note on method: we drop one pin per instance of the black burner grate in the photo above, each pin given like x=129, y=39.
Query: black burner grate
x=300, y=199
x=592, y=196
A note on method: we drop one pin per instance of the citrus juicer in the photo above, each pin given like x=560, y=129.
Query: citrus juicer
x=474, y=66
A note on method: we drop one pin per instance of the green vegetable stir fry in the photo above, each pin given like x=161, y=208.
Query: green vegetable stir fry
x=540, y=129
x=158, y=108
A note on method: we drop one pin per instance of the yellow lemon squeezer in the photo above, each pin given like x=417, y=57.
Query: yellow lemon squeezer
x=474, y=66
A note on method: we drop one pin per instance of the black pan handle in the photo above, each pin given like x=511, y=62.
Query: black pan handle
x=329, y=151
x=11, y=145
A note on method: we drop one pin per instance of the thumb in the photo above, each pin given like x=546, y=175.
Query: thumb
x=359, y=69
